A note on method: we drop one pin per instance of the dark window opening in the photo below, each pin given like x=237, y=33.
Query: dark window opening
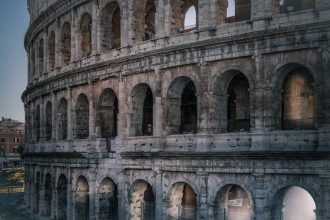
x=189, y=109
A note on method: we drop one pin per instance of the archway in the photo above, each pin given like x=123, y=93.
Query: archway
x=48, y=195
x=51, y=51
x=66, y=43
x=41, y=56
x=108, y=201
x=107, y=113
x=62, y=119
x=37, y=123
x=37, y=192
x=142, y=201
x=233, y=203
x=49, y=122
x=182, y=202
x=183, y=15
x=82, y=117
x=62, y=191
x=238, y=10
x=190, y=18
x=82, y=199
x=86, y=35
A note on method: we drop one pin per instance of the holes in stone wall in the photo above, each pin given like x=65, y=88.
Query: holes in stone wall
x=82, y=199
x=110, y=26
x=51, y=51
x=62, y=119
x=150, y=19
x=49, y=122
x=182, y=202
x=285, y=6
x=233, y=203
x=190, y=18
x=142, y=110
x=188, y=109
x=41, y=56
x=108, y=201
x=62, y=187
x=107, y=114
x=298, y=101
x=238, y=104
x=66, y=42
x=142, y=201
x=48, y=195
x=82, y=117
x=238, y=10
x=86, y=35
x=182, y=12
x=37, y=123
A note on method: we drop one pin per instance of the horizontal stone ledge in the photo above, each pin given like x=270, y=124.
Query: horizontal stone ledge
x=57, y=155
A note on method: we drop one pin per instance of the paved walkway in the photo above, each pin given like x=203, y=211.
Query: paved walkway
x=11, y=207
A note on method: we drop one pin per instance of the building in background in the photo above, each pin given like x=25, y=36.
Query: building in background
x=11, y=141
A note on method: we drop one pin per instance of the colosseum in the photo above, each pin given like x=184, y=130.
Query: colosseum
x=178, y=110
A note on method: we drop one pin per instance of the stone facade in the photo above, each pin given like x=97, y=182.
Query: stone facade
x=132, y=115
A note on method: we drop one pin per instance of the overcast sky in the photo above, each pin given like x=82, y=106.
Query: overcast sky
x=13, y=61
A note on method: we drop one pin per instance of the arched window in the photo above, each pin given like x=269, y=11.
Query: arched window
x=86, y=35
x=49, y=123
x=108, y=201
x=182, y=202
x=110, y=26
x=62, y=119
x=142, y=201
x=182, y=106
x=48, y=195
x=62, y=188
x=190, y=18
x=238, y=104
x=82, y=199
x=108, y=111
x=150, y=18
x=51, y=50
x=298, y=100
x=37, y=192
x=66, y=42
x=37, y=123
x=41, y=56
x=284, y=6
x=82, y=117
x=293, y=203
x=142, y=110
x=233, y=203
x=238, y=10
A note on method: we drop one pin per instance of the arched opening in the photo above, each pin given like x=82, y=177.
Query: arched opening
x=298, y=100
x=182, y=106
x=51, y=51
x=285, y=6
x=142, y=110
x=142, y=201
x=233, y=203
x=150, y=18
x=190, y=18
x=41, y=56
x=37, y=193
x=62, y=119
x=49, y=122
x=82, y=117
x=110, y=26
x=238, y=104
x=82, y=199
x=37, y=123
x=86, y=35
x=182, y=203
x=238, y=10
x=33, y=63
x=108, y=200
x=108, y=111
x=48, y=195
x=62, y=188
x=66, y=43
x=293, y=203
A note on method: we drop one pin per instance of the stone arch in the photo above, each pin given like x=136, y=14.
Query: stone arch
x=296, y=98
x=108, y=200
x=143, y=20
x=233, y=203
x=82, y=117
x=179, y=11
x=62, y=119
x=141, y=110
x=238, y=10
x=37, y=121
x=86, y=34
x=107, y=113
x=48, y=195
x=110, y=25
x=82, y=199
x=190, y=18
x=62, y=191
x=141, y=201
x=37, y=192
x=182, y=106
x=182, y=202
x=66, y=43
x=293, y=201
x=232, y=100
x=48, y=121
x=51, y=51
x=41, y=56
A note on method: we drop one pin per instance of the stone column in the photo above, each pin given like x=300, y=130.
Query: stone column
x=70, y=114
x=160, y=19
x=122, y=193
x=57, y=43
x=92, y=198
x=94, y=30
x=54, y=196
x=45, y=51
x=159, y=194
x=124, y=22
x=202, y=206
x=42, y=120
x=122, y=124
x=260, y=199
x=70, y=199
x=74, y=35
x=158, y=117
x=54, y=116
x=91, y=112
